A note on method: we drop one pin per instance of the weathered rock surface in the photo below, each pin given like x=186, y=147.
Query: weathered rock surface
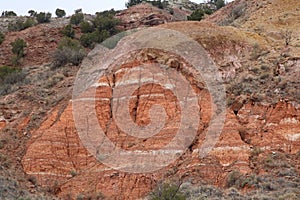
x=56, y=155
x=264, y=118
x=41, y=41
x=143, y=15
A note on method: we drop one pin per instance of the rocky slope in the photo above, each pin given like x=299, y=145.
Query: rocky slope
x=269, y=127
x=143, y=15
x=261, y=134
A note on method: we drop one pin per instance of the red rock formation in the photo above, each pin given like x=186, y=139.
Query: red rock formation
x=41, y=41
x=56, y=155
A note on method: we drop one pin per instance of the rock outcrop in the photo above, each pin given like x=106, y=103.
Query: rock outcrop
x=57, y=156
x=143, y=15
x=258, y=60
x=41, y=40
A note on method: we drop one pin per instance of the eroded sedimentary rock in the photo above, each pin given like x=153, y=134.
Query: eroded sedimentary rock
x=57, y=157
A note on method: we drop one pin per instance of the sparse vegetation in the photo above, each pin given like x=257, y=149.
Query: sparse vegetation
x=198, y=14
x=233, y=178
x=20, y=25
x=235, y=13
x=263, y=187
x=287, y=35
x=86, y=27
x=98, y=196
x=219, y=3
x=9, y=76
x=32, y=179
x=89, y=39
x=32, y=13
x=133, y=2
x=167, y=191
x=60, y=13
x=103, y=26
x=5, y=71
x=68, y=51
x=18, y=47
x=77, y=18
x=159, y=4
x=238, y=11
x=256, y=151
x=2, y=37
x=204, y=192
x=73, y=173
x=106, y=21
x=43, y=17
x=68, y=31
x=8, y=14
x=18, y=50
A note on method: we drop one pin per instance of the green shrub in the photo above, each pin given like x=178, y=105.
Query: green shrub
x=60, y=13
x=10, y=76
x=86, y=27
x=167, y=191
x=89, y=39
x=29, y=23
x=203, y=192
x=43, y=17
x=256, y=151
x=32, y=13
x=219, y=3
x=16, y=60
x=32, y=179
x=68, y=31
x=14, y=78
x=238, y=11
x=17, y=26
x=233, y=178
x=207, y=10
x=73, y=173
x=20, y=25
x=6, y=70
x=8, y=14
x=70, y=43
x=68, y=51
x=133, y=2
x=107, y=13
x=159, y=4
x=2, y=37
x=77, y=18
x=104, y=26
x=83, y=196
x=18, y=50
x=106, y=22
x=18, y=47
x=197, y=15
x=264, y=76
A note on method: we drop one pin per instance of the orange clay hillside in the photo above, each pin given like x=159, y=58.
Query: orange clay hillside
x=256, y=48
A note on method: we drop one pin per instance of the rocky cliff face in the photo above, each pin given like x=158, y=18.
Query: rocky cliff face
x=57, y=156
x=261, y=133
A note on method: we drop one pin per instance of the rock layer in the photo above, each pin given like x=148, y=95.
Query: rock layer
x=57, y=157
